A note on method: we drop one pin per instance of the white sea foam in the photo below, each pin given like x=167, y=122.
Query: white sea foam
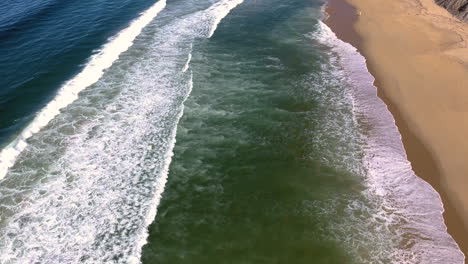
x=104, y=160
x=221, y=10
x=189, y=58
x=161, y=183
x=68, y=93
x=407, y=206
x=94, y=70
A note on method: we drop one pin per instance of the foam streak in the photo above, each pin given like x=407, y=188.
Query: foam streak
x=68, y=93
x=189, y=58
x=221, y=10
x=389, y=176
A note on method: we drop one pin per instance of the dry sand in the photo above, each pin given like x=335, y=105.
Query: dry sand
x=418, y=54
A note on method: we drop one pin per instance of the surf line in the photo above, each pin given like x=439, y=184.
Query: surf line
x=219, y=10
x=381, y=161
x=68, y=93
x=189, y=58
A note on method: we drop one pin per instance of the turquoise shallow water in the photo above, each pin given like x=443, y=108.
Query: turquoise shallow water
x=210, y=132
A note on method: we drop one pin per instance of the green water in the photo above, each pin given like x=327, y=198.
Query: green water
x=283, y=153
x=250, y=181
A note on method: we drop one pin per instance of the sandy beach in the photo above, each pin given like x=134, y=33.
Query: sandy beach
x=418, y=53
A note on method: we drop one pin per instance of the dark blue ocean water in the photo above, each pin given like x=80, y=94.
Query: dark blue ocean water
x=200, y=131
x=44, y=43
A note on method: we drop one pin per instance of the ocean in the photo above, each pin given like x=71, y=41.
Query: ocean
x=208, y=131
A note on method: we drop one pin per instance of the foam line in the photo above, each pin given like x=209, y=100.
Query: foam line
x=389, y=174
x=187, y=64
x=68, y=93
x=162, y=182
x=221, y=10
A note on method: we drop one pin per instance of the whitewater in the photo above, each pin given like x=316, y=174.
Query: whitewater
x=405, y=201
x=69, y=92
x=284, y=151
x=94, y=162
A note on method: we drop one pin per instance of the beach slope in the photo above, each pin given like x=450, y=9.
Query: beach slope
x=418, y=54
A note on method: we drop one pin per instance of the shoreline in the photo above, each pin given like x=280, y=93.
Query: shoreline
x=343, y=20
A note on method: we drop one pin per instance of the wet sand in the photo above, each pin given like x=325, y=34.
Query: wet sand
x=418, y=54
